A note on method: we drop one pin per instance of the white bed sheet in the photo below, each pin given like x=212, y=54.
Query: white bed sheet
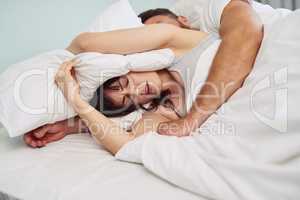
x=76, y=168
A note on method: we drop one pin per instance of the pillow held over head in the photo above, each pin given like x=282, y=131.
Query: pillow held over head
x=29, y=97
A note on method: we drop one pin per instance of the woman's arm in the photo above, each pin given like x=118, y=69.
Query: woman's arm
x=125, y=41
x=110, y=134
x=104, y=130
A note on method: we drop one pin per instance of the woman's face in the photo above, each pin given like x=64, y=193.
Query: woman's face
x=135, y=87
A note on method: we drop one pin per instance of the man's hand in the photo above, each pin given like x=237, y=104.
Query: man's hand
x=241, y=32
x=46, y=134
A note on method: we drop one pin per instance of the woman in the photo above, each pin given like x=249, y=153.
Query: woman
x=181, y=41
x=157, y=92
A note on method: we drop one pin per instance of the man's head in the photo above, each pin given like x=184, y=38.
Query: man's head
x=162, y=15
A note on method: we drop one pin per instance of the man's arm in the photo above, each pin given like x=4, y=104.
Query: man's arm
x=48, y=133
x=158, y=35
x=241, y=32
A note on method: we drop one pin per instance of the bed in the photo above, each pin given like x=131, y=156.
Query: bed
x=75, y=168
x=78, y=168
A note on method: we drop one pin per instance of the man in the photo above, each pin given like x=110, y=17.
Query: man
x=241, y=32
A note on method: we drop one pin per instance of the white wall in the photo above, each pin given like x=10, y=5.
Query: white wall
x=29, y=27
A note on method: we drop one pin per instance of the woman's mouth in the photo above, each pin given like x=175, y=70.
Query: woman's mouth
x=147, y=90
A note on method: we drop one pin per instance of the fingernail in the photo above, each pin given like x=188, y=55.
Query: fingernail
x=33, y=144
x=78, y=61
x=75, y=60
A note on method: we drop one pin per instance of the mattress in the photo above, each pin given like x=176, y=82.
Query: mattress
x=76, y=168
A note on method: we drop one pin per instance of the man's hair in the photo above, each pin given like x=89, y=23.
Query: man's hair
x=155, y=12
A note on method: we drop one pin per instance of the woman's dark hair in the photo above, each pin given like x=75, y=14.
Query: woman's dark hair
x=107, y=108
x=155, y=12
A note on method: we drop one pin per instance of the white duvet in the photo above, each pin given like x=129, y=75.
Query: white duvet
x=249, y=149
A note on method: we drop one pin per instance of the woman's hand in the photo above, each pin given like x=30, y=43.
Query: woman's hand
x=66, y=81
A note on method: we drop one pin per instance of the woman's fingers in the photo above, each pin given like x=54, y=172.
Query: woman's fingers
x=74, y=62
x=65, y=70
x=69, y=68
x=60, y=75
x=66, y=80
x=71, y=63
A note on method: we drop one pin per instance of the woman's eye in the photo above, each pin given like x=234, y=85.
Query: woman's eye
x=115, y=86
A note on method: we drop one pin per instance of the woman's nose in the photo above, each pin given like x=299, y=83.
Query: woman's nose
x=126, y=92
x=129, y=93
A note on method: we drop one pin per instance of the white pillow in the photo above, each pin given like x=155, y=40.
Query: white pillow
x=118, y=15
x=29, y=98
x=191, y=9
x=96, y=68
x=28, y=95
